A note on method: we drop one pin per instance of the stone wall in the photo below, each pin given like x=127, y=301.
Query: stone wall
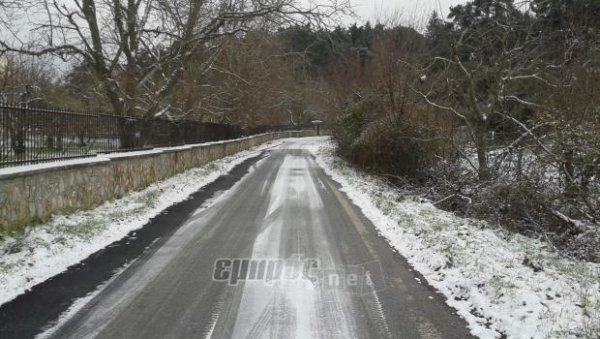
x=35, y=193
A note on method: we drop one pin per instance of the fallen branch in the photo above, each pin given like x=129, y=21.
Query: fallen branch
x=574, y=224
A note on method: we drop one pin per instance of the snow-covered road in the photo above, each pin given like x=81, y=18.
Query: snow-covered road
x=283, y=254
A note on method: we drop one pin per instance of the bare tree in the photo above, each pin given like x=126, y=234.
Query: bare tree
x=494, y=57
x=248, y=84
x=526, y=106
x=139, y=49
x=21, y=82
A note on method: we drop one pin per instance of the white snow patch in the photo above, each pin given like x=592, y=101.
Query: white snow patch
x=286, y=307
x=120, y=155
x=49, y=165
x=480, y=269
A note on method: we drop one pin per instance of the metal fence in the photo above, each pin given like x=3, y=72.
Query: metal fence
x=31, y=135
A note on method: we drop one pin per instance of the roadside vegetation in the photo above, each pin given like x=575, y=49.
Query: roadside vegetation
x=491, y=113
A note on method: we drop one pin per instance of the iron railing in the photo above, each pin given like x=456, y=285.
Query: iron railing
x=30, y=135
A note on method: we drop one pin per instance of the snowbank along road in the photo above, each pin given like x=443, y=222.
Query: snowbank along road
x=282, y=254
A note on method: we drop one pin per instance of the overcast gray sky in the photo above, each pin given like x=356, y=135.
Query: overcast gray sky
x=410, y=10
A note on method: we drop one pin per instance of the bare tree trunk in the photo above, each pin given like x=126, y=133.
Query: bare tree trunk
x=569, y=172
x=17, y=135
x=127, y=137
x=17, y=141
x=481, y=143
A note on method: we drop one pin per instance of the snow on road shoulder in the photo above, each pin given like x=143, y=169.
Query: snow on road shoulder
x=504, y=285
x=45, y=250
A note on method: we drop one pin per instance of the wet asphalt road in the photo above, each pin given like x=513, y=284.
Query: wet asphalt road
x=283, y=254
